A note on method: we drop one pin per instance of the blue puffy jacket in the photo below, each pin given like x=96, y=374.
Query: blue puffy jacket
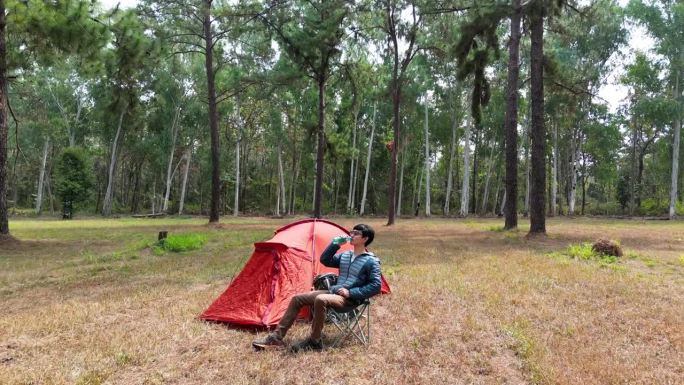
x=362, y=277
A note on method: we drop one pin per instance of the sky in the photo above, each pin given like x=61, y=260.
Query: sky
x=612, y=92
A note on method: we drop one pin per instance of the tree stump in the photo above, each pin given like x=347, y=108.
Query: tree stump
x=607, y=247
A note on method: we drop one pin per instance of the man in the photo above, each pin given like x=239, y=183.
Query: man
x=359, y=279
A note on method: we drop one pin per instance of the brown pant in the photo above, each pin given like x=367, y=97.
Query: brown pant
x=319, y=301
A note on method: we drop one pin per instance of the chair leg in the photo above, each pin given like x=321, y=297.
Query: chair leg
x=356, y=323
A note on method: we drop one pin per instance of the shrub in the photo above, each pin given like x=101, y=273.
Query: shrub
x=581, y=251
x=585, y=251
x=182, y=242
x=607, y=247
x=73, y=179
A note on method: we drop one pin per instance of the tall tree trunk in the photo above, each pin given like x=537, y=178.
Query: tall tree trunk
x=296, y=156
x=153, y=201
x=188, y=157
x=355, y=190
x=554, y=171
x=320, y=150
x=677, y=125
x=489, y=164
x=475, y=172
x=466, y=173
x=169, y=174
x=401, y=184
x=427, y=161
x=573, y=174
x=396, y=100
x=368, y=160
x=420, y=187
x=4, y=223
x=296, y=161
x=41, y=178
x=236, y=197
x=213, y=114
x=526, y=211
x=633, y=173
x=584, y=183
x=511, y=122
x=452, y=150
x=538, y=177
x=281, y=180
x=109, y=194
x=352, y=171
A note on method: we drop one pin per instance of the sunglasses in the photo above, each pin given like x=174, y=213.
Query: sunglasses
x=356, y=232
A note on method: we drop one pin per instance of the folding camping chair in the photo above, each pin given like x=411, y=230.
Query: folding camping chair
x=352, y=322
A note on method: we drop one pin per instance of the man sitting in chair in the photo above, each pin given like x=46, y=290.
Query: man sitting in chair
x=359, y=279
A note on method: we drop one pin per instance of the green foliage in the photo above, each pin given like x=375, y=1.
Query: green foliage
x=584, y=252
x=181, y=242
x=73, y=178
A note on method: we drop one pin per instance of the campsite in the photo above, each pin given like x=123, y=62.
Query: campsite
x=341, y=192
x=90, y=301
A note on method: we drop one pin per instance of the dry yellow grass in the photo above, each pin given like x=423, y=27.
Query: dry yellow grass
x=470, y=305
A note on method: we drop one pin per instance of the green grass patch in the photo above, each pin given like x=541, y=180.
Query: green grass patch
x=181, y=242
x=584, y=252
x=526, y=348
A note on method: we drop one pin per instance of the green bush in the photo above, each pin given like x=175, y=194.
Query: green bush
x=73, y=179
x=653, y=207
x=581, y=251
x=183, y=242
x=585, y=252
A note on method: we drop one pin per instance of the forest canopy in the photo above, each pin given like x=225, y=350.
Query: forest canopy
x=388, y=108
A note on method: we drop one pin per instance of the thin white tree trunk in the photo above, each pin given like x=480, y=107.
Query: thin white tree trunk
x=675, y=150
x=107, y=203
x=368, y=159
x=187, y=156
x=77, y=121
x=352, y=174
x=420, y=189
x=281, y=182
x=427, y=161
x=356, y=185
x=313, y=192
x=573, y=176
x=554, y=172
x=154, y=197
x=41, y=178
x=450, y=173
x=295, y=176
x=236, y=199
x=401, y=184
x=503, y=203
x=169, y=174
x=489, y=165
x=466, y=172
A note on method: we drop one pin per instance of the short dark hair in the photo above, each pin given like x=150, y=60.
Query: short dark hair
x=366, y=232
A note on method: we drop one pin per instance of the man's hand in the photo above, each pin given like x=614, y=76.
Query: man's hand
x=343, y=292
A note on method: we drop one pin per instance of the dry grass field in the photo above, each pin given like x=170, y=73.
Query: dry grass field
x=89, y=302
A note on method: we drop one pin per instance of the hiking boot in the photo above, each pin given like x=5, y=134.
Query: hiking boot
x=269, y=342
x=307, y=344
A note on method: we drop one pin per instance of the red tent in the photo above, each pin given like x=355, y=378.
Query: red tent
x=279, y=268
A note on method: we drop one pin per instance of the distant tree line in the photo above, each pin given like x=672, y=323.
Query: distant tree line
x=389, y=108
